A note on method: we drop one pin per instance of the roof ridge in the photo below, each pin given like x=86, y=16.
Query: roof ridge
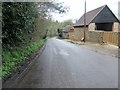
x=102, y=7
x=97, y=8
x=91, y=15
x=90, y=12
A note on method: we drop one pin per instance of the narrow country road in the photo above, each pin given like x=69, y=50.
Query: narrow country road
x=66, y=65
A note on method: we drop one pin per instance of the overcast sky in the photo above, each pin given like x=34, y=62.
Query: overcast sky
x=77, y=8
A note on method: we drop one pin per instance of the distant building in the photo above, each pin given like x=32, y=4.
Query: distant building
x=66, y=30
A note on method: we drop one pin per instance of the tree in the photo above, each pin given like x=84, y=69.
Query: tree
x=46, y=8
x=18, y=21
x=67, y=22
x=22, y=21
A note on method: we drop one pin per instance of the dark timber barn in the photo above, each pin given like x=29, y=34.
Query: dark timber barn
x=100, y=19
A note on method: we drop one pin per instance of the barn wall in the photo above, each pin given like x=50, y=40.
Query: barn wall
x=91, y=27
x=116, y=27
x=104, y=16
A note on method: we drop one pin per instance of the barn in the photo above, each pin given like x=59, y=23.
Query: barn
x=98, y=22
x=100, y=19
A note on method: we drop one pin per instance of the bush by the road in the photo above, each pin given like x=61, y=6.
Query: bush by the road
x=14, y=57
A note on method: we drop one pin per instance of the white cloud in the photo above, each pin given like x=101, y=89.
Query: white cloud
x=77, y=8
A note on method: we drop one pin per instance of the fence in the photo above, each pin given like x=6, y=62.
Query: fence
x=111, y=38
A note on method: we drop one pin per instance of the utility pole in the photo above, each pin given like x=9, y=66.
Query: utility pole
x=84, y=21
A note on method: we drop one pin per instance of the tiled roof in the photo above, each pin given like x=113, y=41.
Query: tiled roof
x=89, y=16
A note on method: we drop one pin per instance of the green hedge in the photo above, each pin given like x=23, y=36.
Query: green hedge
x=19, y=21
x=10, y=59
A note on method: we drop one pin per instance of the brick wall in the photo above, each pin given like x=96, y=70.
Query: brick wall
x=90, y=36
x=77, y=35
x=94, y=36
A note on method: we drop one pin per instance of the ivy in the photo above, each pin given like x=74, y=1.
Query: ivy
x=18, y=21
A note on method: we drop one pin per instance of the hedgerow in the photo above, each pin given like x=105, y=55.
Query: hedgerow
x=18, y=22
x=12, y=59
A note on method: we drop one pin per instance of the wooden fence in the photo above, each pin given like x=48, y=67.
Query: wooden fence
x=111, y=38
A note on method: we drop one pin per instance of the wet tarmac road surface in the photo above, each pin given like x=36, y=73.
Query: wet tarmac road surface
x=66, y=65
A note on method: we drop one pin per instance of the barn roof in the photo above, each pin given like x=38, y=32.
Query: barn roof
x=91, y=16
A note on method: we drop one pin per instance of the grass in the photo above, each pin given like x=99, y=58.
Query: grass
x=10, y=59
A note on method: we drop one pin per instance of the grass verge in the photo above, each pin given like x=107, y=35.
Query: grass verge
x=11, y=59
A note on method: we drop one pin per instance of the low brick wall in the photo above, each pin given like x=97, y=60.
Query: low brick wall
x=77, y=35
x=94, y=36
x=90, y=36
